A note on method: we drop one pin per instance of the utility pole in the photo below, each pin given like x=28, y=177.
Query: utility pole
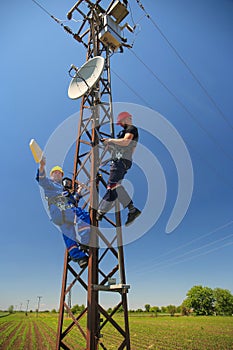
x=38, y=307
x=101, y=34
x=26, y=313
x=69, y=299
x=69, y=303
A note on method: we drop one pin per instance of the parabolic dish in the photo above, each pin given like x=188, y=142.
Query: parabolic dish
x=86, y=77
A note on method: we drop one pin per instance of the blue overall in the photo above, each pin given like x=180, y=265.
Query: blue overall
x=64, y=218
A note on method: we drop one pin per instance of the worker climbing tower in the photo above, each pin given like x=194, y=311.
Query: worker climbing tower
x=100, y=32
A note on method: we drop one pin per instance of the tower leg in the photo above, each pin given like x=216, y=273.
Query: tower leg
x=62, y=300
x=92, y=302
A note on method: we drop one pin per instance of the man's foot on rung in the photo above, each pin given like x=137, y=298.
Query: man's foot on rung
x=132, y=215
x=83, y=262
x=99, y=215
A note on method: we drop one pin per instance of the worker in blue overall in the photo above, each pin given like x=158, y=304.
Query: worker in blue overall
x=63, y=209
x=123, y=148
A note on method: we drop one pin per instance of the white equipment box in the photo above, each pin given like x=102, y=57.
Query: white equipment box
x=110, y=35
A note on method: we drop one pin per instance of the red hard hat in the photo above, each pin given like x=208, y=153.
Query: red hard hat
x=121, y=116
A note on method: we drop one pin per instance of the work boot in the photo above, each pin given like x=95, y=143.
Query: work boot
x=83, y=262
x=84, y=247
x=132, y=215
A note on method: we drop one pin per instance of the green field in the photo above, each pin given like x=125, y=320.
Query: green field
x=18, y=331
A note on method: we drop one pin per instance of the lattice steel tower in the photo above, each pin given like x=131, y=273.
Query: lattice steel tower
x=101, y=34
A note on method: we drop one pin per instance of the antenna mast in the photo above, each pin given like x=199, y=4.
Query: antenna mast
x=100, y=33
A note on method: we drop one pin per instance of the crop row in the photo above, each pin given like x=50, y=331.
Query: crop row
x=147, y=333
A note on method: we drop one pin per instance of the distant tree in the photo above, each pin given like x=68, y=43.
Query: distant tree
x=147, y=307
x=109, y=310
x=171, y=309
x=163, y=309
x=53, y=311
x=120, y=309
x=223, y=304
x=11, y=309
x=201, y=300
x=185, y=309
x=139, y=310
x=77, y=308
x=155, y=309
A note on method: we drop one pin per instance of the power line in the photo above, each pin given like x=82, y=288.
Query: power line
x=196, y=249
x=195, y=256
x=198, y=238
x=172, y=251
x=186, y=255
x=60, y=22
x=187, y=66
x=187, y=143
x=214, y=140
x=131, y=89
x=42, y=8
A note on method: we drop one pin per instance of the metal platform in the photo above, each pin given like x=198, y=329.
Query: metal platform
x=121, y=288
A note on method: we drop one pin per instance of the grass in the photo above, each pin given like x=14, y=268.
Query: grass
x=146, y=333
x=182, y=333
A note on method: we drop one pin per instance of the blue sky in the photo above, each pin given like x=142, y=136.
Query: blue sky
x=35, y=57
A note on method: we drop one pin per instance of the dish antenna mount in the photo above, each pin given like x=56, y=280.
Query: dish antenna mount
x=85, y=77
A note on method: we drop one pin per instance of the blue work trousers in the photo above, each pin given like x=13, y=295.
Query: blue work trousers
x=65, y=220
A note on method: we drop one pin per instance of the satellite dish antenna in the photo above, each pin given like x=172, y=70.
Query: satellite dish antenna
x=85, y=77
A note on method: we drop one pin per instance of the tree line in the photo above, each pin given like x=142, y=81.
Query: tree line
x=200, y=301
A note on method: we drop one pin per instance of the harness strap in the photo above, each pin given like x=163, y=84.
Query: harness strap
x=60, y=201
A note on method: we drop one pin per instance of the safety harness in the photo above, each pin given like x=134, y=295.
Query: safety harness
x=60, y=201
